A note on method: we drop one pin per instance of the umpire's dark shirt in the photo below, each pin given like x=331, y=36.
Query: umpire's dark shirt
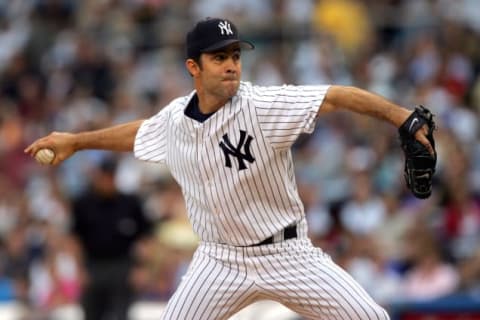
x=108, y=226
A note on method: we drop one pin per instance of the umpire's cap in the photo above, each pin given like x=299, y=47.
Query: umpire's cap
x=212, y=34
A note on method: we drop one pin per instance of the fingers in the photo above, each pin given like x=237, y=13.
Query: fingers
x=37, y=145
x=427, y=145
x=45, y=142
x=421, y=136
x=56, y=161
x=61, y=143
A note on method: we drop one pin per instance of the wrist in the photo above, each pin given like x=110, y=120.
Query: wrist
x=403, y=117
x=76, y=141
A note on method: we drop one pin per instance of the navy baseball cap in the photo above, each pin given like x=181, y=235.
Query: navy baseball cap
x=212, y=34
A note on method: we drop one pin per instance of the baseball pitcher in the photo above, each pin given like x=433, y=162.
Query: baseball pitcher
x=228, y=145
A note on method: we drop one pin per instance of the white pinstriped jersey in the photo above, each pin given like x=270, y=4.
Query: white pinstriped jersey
x=235, y=169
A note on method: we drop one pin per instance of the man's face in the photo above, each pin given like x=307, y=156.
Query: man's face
x=220, y=72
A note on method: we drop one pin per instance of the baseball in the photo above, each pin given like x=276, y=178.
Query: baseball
x=45, y=156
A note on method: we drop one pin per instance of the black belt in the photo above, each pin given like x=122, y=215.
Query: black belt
x=288, y=233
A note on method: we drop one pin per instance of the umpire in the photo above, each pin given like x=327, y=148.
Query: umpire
x=107, y=223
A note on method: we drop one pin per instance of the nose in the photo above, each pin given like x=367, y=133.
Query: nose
x=231, y=66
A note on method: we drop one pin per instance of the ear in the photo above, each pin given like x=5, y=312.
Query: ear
x=192, y=67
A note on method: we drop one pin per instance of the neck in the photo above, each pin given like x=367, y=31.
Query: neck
x=208, y=103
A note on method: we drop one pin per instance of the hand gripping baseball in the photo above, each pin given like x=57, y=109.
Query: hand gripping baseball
x=60, y=143
x=418, y=145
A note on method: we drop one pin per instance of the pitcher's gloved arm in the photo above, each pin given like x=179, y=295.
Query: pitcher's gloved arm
x=415, y=129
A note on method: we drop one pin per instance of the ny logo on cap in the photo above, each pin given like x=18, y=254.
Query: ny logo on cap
x=225, y=28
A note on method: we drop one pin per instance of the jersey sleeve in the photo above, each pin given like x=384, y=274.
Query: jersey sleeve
x=151, y=139
x=285, y=112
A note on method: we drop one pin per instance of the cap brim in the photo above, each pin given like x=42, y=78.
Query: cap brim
x=244, y=45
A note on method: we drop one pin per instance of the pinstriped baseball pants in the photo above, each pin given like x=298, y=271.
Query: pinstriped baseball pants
x=222, y=279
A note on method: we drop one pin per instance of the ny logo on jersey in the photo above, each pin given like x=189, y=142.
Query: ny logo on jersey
x=225, y=28
x=230, y=150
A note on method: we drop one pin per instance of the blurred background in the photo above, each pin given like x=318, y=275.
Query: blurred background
x=73, y=235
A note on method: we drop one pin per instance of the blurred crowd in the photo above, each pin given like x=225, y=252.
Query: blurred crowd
x=69, y=65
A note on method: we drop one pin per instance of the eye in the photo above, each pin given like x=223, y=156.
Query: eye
x=236, y=56
x=219, y=57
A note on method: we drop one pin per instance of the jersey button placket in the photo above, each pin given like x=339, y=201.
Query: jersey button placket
x=201, y=157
